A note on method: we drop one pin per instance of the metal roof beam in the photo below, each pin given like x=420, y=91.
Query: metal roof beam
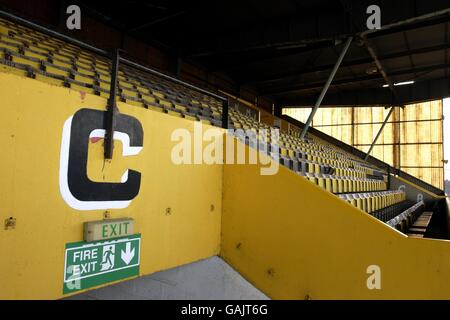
x=351, y=80
x=418, y=92
x=351, y=63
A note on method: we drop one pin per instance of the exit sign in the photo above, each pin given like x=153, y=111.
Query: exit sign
x=90, y=264
x=108, y=229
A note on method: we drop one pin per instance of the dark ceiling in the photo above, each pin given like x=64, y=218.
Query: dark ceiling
x=286, y=49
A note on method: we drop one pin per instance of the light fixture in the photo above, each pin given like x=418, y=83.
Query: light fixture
x=372, y=70
x=400, y=83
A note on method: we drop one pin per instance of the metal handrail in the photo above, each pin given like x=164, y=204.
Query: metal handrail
x=105, y=53
x=53, y=33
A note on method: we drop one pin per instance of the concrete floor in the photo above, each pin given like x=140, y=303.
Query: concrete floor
x=206, y=279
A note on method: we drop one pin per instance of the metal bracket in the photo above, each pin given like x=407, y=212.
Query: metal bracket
x=10, y=223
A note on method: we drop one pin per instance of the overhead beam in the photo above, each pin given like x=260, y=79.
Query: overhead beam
x=351, y=80
x=157, y=21
x=426, y=20
x=380, y=67
x=333, y=26
x=435, y=18
x=240, y=59
x=292, y=75
x=283, y=31
x=418, y=92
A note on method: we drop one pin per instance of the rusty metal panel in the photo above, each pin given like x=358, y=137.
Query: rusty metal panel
x=411, y=140
x=301, y=114
x=422, y=141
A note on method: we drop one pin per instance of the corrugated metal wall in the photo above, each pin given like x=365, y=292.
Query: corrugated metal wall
x=412, y=140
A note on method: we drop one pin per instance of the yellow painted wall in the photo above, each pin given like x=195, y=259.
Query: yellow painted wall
x=292, y=240
x=32, y=255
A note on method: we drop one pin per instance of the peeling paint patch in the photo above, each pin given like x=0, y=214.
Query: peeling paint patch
x=95, y=139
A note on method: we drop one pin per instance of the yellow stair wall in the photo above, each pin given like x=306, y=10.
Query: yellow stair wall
x=293, y=240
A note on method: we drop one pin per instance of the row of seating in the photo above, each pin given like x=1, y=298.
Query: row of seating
x=407, y=218
x=342, y=184
x=32, y=54
x=420, y=227
x=29, y=53
x=372, y=202
x=292, y=150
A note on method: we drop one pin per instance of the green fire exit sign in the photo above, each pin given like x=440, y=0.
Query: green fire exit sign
x=89, y=264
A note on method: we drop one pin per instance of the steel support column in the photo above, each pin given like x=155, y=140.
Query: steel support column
x=112, y=107
x=325, y=88
x=225, y=114
x=379, y=133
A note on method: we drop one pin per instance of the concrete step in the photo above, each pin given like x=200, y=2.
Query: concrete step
x=211, y=278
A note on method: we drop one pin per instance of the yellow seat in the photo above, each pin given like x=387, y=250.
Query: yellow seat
x=165, y=103
x=189, y=117
x=134, y=102
x=204, y=121
x=67, y=65
x=180, y=107
x=155, y=108
x=369, y=204
x=340, y=185
x=86, y=71
x=312, y=178
x=84, y=79
x=9, y=46
x=49, y=80
x=130, y=93
x=321, y=182
x=12, y=40
x=24, y=61
x=76, y=87
x=328, y=184
x=104, y=78
x=158, y=94
x=143, y=91
x=13, y=70
x=345, y=185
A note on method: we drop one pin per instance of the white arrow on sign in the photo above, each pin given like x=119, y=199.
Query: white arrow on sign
x=128, y=254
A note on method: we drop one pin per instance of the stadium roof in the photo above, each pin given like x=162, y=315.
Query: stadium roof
x=286, y=49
